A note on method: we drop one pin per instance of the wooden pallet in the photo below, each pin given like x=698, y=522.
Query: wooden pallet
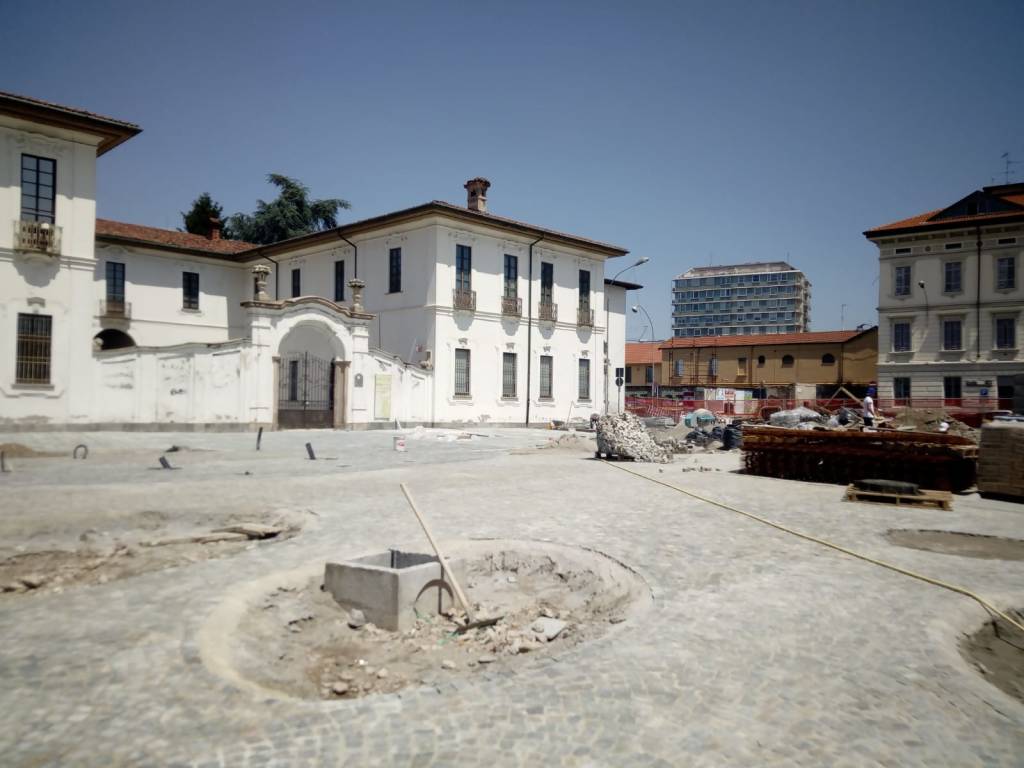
x=931, y=499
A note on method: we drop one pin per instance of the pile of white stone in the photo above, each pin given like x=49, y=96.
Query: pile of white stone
x=625, y=435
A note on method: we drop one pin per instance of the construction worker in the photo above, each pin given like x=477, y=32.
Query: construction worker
x=869, y=408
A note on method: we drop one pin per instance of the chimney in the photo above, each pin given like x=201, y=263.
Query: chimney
x=214, y=228
x=477, y=194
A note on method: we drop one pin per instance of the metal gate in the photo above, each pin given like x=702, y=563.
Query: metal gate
x=305, y=397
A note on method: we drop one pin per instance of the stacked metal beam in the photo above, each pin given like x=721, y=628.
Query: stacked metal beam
x=931, y=460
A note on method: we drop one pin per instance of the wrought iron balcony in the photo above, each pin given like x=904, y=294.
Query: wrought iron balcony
x=37, y=236
x=511, y=306
x=585, y=317
x=464, y=300
x=548, y=311
x=116, y=308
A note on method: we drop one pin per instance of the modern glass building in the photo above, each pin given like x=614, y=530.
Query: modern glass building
x=764, y=297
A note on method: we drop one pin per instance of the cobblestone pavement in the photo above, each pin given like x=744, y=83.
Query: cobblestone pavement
x=760, y=649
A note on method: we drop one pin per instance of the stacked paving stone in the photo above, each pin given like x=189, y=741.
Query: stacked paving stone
x=1001, y=458
x=625, y=435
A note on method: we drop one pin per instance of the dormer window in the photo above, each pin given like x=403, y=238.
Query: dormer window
x=38, y=185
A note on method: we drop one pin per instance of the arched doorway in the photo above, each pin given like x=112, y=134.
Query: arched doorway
x=111, y=338
x=308, y=378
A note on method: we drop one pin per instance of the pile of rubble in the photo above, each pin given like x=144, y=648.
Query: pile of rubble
x=626, y=436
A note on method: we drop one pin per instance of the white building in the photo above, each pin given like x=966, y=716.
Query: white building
x=436, y=314
x=950, y=300
x=763, y=297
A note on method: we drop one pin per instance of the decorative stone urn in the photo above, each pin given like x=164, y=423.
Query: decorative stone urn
x=357, y=294
x=260, y=272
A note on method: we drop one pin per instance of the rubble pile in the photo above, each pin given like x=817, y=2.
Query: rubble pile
x=932, y=420
x=625, y=435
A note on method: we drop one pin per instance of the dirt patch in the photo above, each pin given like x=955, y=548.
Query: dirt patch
x=97, y=562
x=959, y=543
x=294, y=639
x=19, y=451
x=997, y=652
x=930, y=420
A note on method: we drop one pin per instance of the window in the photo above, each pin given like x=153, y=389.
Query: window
x=951, y=389
x=901, y=336
x=902, y=281
x=395, y=270
x=462, y=373
x=760, y=360
x=584, y=379
x=629, y=374
x=33, y=349
x=508, y=374
x=951, y=277
x=1006, y=273
x=901, y=387
x=954, y=246
x=787, y=361
x=1007, y=240
x=547, y=282
x=511, y=276
x=584, y=289
x=38, y=185
x=678, y=367
x=648, y=374
x=190, y=290
x=115, y=282
x=713, y=366
x=952, y=335
x=741, y=366
x=296, y=283
x=902, y=251
x=339, y=281
x=1006, y=333
x=545, y=377
x=828, y=359
x=463, y=268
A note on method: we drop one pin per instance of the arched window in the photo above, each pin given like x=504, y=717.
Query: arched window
x=112, y=338
x=828, y=359
x=787, y=361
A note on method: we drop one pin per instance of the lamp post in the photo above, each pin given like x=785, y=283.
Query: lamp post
x=607, y=315
x=636, y=309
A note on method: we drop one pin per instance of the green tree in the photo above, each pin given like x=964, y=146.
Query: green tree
x=198, y=220
x=293, y=213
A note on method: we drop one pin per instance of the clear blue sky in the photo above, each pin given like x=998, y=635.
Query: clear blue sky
x=687, y=132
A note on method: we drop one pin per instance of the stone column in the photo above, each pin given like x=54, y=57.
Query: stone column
x=340, y=393
x=277, y=390
x=260, y=272
x=357, y=294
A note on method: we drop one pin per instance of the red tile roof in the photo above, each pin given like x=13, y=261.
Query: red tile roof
x=168, y=238
x=1011, y=193
x=764, y=339
x=641, y=352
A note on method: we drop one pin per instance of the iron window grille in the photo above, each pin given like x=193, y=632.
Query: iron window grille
x=952, y=282
x=190, y=290
x=952, y=335
x=1006, y=273
x=508, y=375
x=1006, y=333
x=511, y=276
x=463, y=268
x=462, y=373
x=38, y=188
x=296, y=283
x=395, y=270
x=115, y=282
x=902, y=287
x=339, y=280
x=584, y=379
x=546, y=388
x=584, y=289
x=32, y=365
x=901, y=337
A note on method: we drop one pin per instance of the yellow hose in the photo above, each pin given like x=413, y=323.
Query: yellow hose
x=920, y=577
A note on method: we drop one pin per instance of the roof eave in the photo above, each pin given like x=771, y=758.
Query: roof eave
x=240, y=257
x=112, y=133
x=928, y=226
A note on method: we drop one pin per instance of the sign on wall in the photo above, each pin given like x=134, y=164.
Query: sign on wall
x=382, y=396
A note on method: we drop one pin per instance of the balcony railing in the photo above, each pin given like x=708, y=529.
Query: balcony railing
x=585, y=317
x=115, y=308
x=37, y=236
x=548, y=311
x=465, y=300
x=511, y=306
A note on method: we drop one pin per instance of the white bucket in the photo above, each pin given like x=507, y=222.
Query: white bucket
x=399, y=444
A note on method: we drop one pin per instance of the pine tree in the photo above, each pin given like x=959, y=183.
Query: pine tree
x=198, y=220
x=293, y=213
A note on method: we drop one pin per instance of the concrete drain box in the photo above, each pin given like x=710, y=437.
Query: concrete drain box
x=391, y=587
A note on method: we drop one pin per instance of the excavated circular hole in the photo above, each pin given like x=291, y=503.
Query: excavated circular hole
x=288, y=637
x=996, y=650
x=959, y=543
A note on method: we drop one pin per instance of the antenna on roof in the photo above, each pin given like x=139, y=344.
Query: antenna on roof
x=1009, y=163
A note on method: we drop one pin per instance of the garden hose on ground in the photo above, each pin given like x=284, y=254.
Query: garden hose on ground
x=920, y=577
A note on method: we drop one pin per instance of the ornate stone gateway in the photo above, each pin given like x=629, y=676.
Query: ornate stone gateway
x=306, y=392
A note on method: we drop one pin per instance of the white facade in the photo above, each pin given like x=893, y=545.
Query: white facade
x=144, y=349
x=951, y=302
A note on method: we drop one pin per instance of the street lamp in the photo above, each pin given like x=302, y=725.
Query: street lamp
x=607, y=315
x=654, y=347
